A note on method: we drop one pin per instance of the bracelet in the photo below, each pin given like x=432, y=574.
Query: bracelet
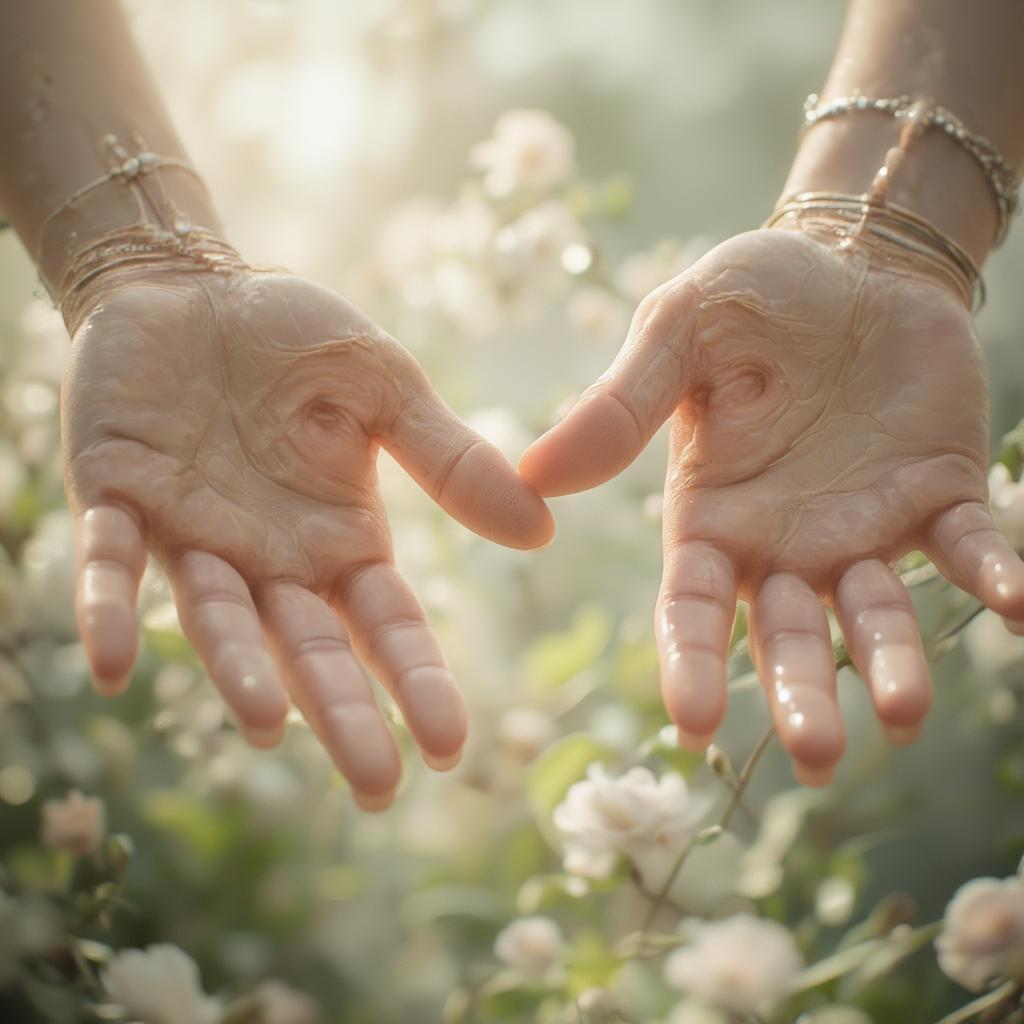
x=893, y=231
x=186, y=249
x=998, y=171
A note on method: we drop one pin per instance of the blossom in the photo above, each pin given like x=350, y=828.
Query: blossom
x=1006, y=498
x=635, y=815
x=529, y=151
x=282, y=1004
x=530, y=945
x=982, y=933
x=742, y=964
x=75, y=824
x=158, y=985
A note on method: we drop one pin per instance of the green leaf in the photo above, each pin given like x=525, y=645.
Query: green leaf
x=556, y=657
x=562, y=764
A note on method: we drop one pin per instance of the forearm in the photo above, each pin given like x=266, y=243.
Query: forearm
x=71, y=76
x=964, y=57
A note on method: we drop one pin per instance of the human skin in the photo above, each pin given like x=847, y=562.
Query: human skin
x=828, y=412
x=228, y=422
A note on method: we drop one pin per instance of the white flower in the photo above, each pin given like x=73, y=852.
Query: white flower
x=635, y=815
x=983, y=932
x=529, y=151
x=530, y=945
x=75, y=824
x=158, y=985
x=542, y=233
x=1006, y=498
x=742, y=964
x=525, y=732
x=282, y=1004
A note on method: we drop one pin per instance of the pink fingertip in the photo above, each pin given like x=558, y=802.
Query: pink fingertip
x=903, y=737
x=434, y=710
x=106, y=687
x=374, y=803
x=693, y=743
x=442, y=764
x=264, y=739
x=814, y=777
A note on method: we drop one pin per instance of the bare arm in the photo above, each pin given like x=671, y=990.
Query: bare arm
x=965, y=57
x=71, y=75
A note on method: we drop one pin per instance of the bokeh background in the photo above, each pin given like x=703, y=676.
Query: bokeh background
x=336, y=140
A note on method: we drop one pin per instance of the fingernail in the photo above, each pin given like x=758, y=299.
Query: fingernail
x=110, y=687
x=816, y=777
x=265, y=738
x=901, y=736
x=692, y=742
x=373, y=802
x=442, y=764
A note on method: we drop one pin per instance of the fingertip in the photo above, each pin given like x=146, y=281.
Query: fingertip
x=434, y=711
x=597, y=439
x=373, y=803
x=901, y=685
x=265, y=739
x=695, y=743
x=1014, y=626
x=903, y=736
x=814, y=734
x=442, y=764
x=107, y=686
x=485, y=493
x=808, y=775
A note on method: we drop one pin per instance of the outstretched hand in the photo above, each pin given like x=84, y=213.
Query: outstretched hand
x=828, y=416
x=230, y=424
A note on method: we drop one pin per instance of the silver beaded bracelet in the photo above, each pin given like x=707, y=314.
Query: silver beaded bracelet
x=1002, y=177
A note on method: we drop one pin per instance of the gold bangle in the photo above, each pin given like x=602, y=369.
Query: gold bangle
x=864, y=217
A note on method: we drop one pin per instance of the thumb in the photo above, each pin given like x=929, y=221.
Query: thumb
x=465, y=474
x=619, y=414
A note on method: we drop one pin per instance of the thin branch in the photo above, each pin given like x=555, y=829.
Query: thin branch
x=723, y=822
x=1009, y=993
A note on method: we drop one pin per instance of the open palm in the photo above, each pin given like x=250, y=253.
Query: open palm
x=828, y=416
x=230, y=424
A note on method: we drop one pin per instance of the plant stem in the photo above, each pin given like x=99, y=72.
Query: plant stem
x=738, y=790
x=1010, y=992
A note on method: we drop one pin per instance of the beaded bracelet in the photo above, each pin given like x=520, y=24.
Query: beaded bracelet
x=1001, y=176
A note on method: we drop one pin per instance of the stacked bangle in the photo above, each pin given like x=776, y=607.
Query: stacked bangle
x=892, y=229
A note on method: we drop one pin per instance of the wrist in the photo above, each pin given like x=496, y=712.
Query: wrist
x=139, y=252
x=937, y=179
x=143, y=198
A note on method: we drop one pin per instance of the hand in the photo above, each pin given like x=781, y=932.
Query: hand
x=827, y=417
x=230, y=425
